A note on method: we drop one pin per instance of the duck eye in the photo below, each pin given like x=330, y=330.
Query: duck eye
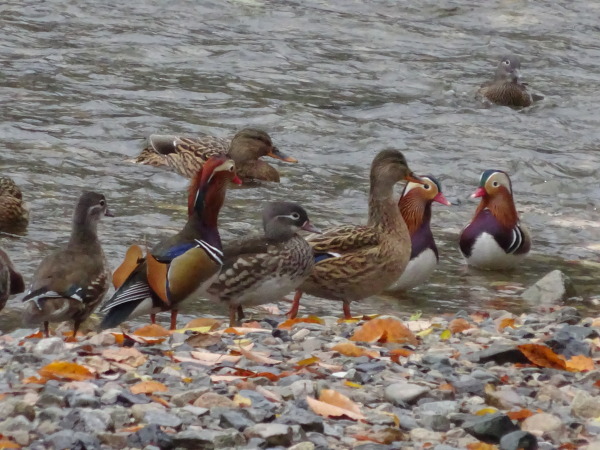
x=231, y=168
x=426, y=186
x=495, y=184
x=295, y=216
x=506, y=62
x=102, y=203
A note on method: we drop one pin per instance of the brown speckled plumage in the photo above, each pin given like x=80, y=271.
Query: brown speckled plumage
x=506, y=88
x=11, y=281
x=13, y=214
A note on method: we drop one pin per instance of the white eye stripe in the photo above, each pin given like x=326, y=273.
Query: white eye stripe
x=293, y=216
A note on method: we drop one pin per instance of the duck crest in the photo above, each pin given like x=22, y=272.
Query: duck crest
x=501, y=206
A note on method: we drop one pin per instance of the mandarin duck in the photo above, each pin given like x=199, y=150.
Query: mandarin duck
x=263, y=268
x=70, y=282
x=415, y=207
x=494, y=239
x=180, y=265
x=11, y=281
x=13, y=214
x=507, y=89
x=186, y=155
x=354, y=262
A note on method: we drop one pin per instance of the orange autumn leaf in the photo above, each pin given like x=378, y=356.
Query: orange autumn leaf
x=125, y=355
x=35, y=380
x=597, y=383
x=446, y=387
x=160, y=401
x=398, y=353
x=580, y=363
x=350, y=349
x=568, y=446
x=131, y=429
x=481, y=446
x=291, y=322
x=65, y=370
x=458, y=325
x=521, y=414
x=152, y=331
x=119, y=338
x=202, y=322
x=5, y=443
x=148, y=387
x=334, y=404
x=384, y=330
x=543, y=356
x=308, y=361
x=258, y=357
x=505, y=323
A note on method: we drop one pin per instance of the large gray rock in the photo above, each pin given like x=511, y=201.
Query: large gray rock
x=274, y=434
x=585, y=405
x=550, y=289
x=490, y=428
x=542, y=423
x=518, y=440
x=87, y=420
x=402, y=393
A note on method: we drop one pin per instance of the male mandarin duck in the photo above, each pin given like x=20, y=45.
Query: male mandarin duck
x=506, y=88
x=354, y=262
x=70, y=282
x=415, y=207
x=186, y=155
x=263, y=268
x=11, y=281
x=181, y=265
x=13, y=214
x=495, y=239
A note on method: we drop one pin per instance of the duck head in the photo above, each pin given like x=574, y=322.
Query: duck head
x=509, y=69
x=250, y=144
x=388, y=168
x=282, y=220
x=495, y=191
x=415, y=202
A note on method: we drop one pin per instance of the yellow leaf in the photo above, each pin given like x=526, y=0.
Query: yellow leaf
x=308, y=361
x=352, y=384
x=58, y=370
x=240, y=400
x=446, y=334
x=416, y=316
x=426, y=332
x=484, y=411
x=148, y=387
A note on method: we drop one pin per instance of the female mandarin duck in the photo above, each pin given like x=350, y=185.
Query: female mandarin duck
x=11, y=281
x=506, y=88
x=71, y=282
x=13, y=214
x=495, y=239
x=354, y=262
x=262, y=269
x=415, y=207
x=181, y=265
x=187, y=155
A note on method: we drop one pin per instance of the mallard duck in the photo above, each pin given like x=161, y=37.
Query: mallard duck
x=506, y=88
x=181, y=265
x=354, y=262
x=263, y=268
x=70, y=282
x=186, y=155
x=11, y=281
x=13, y=214
x=415, y=207
x=495, y=239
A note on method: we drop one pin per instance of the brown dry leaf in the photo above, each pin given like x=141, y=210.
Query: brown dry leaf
x=459, y=325
x=35, y=380
x=597, y=383
x=481, y=446
x=384, y=330
x=580, y=363
x=521, y=414
x=543, y=356
x=258, y=357
x=5, y=443
x=65, y=370
x=398, y=353
x=151, y=334
x=126, y=355
x=291, y=322
x=506, y=322
x=253, y=324
x=334, y=404
x=131, y=429
x=211, y=359
x=242, y=330
x=119, y=338
x=446, y=387
x=148, y=387
x=226, y=378
x=202, y=322
x=202, y=340
x=350, y=349
x=479, y=316
x=160, y=401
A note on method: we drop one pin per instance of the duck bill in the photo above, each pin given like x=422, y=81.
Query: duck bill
x=480, y=192
x=277, y=154
x=307, y=226
x=236, y=180
x=439, y=197
x=109, y=213
x=414, y=179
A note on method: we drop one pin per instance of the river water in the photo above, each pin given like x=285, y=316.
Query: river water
x=83, y=83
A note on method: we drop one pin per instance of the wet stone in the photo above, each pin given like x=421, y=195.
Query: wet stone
x=76, y=400
x=585, y=405
x=272, y=433
x=72, y=440
x=164, y=419
x=50, y=399
x=401, y=393
x=519, y=440
x=87, y=420
x=151, y=434
x=308, y=420
x=210, y=400
x=234, y=419
x=490, y=428
x=127, y=399
x=468, y=385
x=188, y=397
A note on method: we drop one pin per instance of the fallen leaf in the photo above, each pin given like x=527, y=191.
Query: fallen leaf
x=426, y=332
x=446, y=387
x=398, y=353
x=119, y=338
x=203, y=340
x=240, y=400
x=459, y=325
x=479, y=316
x=202, y=322
x=211, y=359
x=131, y=429
x=242, y=330
x=543, y=356
x=152, y=334
x=506, y=322
x=258, y=357
x=291, y=322
x=334, y=404
x=65, y=370
x=580, y=363
x=160, y=401
x=5, y=443
x=352, y=384
x=35, y=380
x=350, y=349
x=597, y=383
x=481, y=446
x=127, y=355
x=416, y=316
x=484, y=411
x=445, y=335
x=254, y=324
x=148, y=387
x=521, y=414
x=384, y=330
x=308, y=361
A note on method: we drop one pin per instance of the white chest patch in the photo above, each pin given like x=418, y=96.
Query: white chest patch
x=487, y=254
x=417, y=271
